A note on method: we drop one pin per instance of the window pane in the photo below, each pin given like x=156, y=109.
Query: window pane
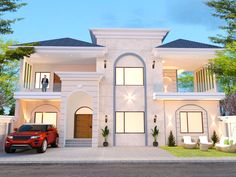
x=183, y=122
x=119, y=76
x=37, y=80
x=38, y=117
x=50, y=118
x=120, y=122
x=134, y=122
x=133, y=76
x=195, y=122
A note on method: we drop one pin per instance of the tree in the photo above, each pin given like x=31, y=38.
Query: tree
x=225, y=10
x=224, y=66
x=9, y=67
x=186, y=82
x=171, y=139
x=214, y=138
x=8, y=6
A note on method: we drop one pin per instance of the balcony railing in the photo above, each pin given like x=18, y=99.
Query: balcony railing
x=53, y=87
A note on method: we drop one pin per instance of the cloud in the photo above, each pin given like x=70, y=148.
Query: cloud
x=193, y=12
x=137, y=18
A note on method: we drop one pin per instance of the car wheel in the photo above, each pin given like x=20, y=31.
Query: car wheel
x=9, y=150
x=56, y=142
x=44, y=147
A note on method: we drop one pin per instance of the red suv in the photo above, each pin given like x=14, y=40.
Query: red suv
x=32, y=136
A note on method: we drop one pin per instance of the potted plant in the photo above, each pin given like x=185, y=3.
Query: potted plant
x=155, y=132
x=105, y=133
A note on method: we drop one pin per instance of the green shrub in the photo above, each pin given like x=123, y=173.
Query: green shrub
x=171, y=139
x=214, y=138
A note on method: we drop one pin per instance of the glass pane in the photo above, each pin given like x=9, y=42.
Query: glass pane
x=84, y=111
x=37, y=80
x=195, y=122
x=133, y=76
x=38, y=117
x=134, y=122
x=50, y=118
x=119, y=76
x=120, y=122
x=183, y=122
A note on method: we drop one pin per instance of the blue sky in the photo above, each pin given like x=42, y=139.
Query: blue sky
x=49, y=19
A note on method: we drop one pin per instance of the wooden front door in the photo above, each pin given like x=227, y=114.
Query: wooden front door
x=83, y=126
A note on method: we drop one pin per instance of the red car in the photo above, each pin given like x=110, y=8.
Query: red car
x=32, y=136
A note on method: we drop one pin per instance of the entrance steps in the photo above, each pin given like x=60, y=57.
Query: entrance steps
x=78, y=143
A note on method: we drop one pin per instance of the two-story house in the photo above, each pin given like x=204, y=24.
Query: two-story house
x=125, y=79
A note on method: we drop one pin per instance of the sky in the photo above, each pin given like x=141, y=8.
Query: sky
x=51, y=19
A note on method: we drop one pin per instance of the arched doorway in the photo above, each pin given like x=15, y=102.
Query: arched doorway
x=83, y=123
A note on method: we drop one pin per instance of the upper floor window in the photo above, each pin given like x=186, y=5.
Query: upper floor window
x=27, y=75
x=38, y=78
x=129, y=76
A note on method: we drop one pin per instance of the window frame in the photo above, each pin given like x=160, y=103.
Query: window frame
x=188, y=121
x=40, y=79
x=124, y=122
x=124, y=84
x=42, y=116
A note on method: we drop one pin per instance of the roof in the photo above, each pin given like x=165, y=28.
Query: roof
x=61, y=42
x=182, y=43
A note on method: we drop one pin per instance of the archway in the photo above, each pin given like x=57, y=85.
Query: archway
x=83, y=122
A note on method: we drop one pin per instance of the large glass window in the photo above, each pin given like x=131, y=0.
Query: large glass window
x=129, y=76
x=38, y=79
x=129, y=122
x=191, y=122
x=46, y=118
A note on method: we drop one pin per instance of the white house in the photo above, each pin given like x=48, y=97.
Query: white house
x=125, y=79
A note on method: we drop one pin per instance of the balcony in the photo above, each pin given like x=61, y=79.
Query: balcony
x=52, y=96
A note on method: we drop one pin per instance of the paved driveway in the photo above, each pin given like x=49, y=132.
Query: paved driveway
x=102, y=155
x=88, y=155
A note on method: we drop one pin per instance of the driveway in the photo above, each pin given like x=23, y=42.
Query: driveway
x=88, y=155
x=102, y=155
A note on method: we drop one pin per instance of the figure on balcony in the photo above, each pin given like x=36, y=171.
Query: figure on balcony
x=44, y=83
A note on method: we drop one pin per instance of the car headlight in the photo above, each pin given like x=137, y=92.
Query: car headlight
x=10, y=137
x=34, y=137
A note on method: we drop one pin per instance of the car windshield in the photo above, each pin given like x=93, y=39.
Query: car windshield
x=27, y=128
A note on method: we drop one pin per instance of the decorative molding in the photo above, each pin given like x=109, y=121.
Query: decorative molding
x=80, y=76
x=159, y=51
x=38, y=95
x=188, y=96
x=130, y=33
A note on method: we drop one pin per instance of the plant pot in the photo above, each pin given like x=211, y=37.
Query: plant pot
x=105, y=144
x=155, y=144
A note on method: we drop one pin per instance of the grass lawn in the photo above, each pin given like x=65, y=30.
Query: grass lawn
x=181, y=152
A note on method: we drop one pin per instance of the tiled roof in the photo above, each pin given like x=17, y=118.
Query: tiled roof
x=62, y=42
x=182, y=43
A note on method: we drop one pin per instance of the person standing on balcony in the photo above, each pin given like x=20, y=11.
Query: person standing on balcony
x=44, y=83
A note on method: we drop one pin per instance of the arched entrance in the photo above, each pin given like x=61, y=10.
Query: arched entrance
x=83, y=123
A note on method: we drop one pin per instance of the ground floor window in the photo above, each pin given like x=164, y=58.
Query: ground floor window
x=191, y=122
x=46, y=118
x=129, y=122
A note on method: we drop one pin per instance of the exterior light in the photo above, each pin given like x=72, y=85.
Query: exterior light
x=153, y=64
x=130, y=98
x=105, y=63
x=105, y=118
x=155, y=119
